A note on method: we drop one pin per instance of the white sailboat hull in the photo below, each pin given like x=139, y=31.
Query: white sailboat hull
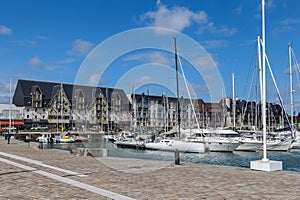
x=248, y=144
x=278, y=145
x=179, y=145
x=217, y=144
x=65, y=140
x=222, y=146
x=131, y=144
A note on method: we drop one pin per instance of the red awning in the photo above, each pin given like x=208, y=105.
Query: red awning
x=13, y=123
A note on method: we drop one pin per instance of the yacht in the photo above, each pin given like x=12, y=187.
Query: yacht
x=168, y=141
x=64, y=137
x=219, y=140
x=172, y=144
x=45, y=138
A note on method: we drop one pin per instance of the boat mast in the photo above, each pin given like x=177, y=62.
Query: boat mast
x=259, y=69
x=177, y=87
x=233, y=101
x=265, y=164
x=291, y=87
x=263, y=97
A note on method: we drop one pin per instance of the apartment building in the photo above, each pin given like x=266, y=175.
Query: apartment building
x=68, y=106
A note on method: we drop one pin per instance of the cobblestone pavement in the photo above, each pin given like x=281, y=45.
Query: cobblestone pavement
x=138, y=179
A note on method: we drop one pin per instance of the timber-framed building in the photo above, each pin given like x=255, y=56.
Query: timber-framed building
x=68, y=106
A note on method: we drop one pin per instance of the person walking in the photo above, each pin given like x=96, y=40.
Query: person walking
x=8, y=138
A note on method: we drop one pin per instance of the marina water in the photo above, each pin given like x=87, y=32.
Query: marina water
x=290, y=159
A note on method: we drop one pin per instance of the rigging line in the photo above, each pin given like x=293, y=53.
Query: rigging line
x=296, y=64
x=278, y=94
x=277, y=91
x=285, y=85
x=249, y=69
x=247, y=102
x=188, y=91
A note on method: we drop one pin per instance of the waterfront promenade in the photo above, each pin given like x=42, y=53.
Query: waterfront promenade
x=30, y=173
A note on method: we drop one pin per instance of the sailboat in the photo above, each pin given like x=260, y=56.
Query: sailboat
x=296, y=135
x=218, y=140
x=171, y=140
x=264, y=164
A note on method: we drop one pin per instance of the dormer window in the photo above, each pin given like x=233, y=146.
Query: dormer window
x=36, y=96
x=80, y=100
x=116, y=102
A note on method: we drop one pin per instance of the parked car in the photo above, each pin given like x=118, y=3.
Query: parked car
x=42, y=128
x=7, y=128
x=39, y=128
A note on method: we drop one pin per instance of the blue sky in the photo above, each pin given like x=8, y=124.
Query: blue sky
x=51, y=41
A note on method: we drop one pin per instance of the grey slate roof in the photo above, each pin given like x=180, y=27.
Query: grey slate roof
x=22, y=95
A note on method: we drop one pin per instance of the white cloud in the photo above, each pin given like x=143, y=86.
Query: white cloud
x=177, y=18
x=151, y=57
x=81, y=47
x=143, y=80
x=204, y=63
x=238, y=10
x=24, y=42
x=224, y=30
x=41, y=37
x=285, y=25
x=94, y=79
x=180, y=18
x=4, y=30
x=66, y=61
x=270, y=4
x=37, y=63
x=215, y=44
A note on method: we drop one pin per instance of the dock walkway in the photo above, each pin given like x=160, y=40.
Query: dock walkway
x=30, y=173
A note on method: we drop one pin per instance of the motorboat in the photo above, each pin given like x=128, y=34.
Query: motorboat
x=79, y=138
x=219, y=140
x=110, y=138
x=130, y=143
x=64, y=137
x=45, y=138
